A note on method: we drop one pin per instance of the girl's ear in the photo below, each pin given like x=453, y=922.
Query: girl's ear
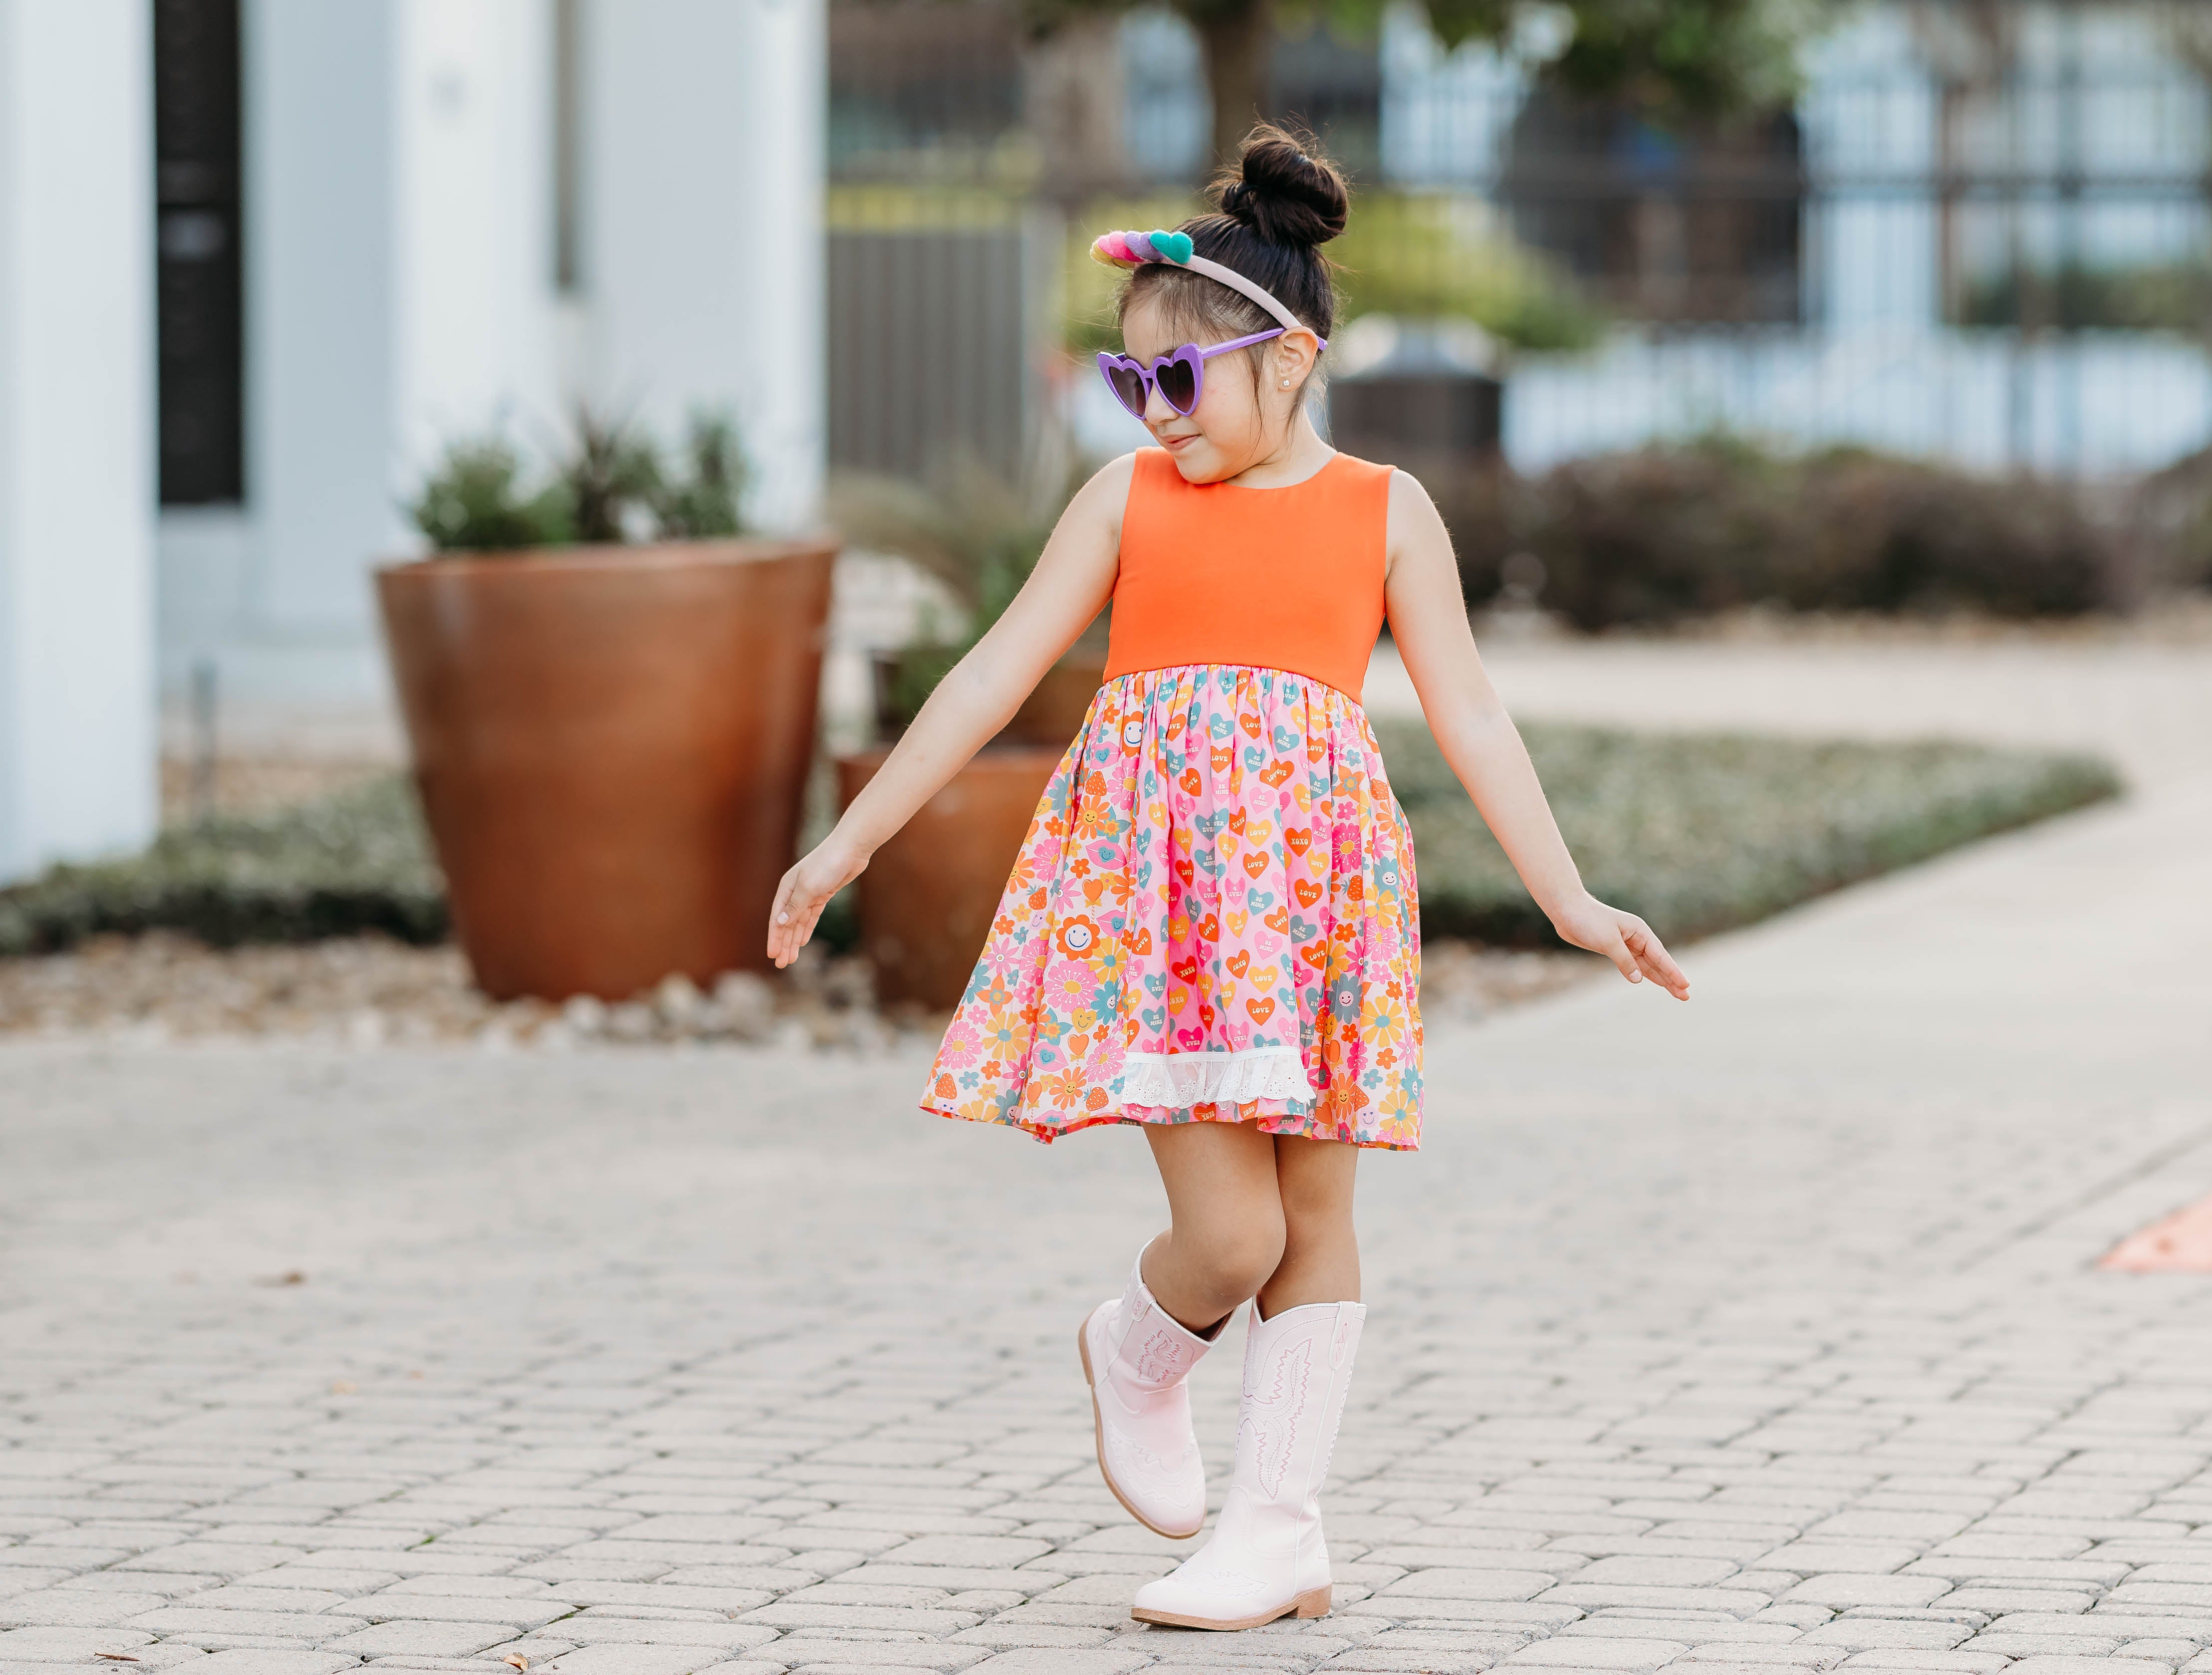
x=1295, y=351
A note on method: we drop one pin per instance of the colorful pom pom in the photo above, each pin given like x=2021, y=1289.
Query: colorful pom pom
x=1131, y=247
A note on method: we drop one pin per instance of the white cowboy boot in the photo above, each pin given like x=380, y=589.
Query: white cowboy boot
x=1135, y=1358
x=1267, y=1557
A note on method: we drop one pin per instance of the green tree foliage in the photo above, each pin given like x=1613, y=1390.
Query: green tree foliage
x=1699, y=60
x=1687, y=59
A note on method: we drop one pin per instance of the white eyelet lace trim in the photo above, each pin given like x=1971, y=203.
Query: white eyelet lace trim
x=1178, y=1079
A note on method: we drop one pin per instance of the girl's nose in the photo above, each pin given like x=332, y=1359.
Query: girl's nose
x=1156, y=410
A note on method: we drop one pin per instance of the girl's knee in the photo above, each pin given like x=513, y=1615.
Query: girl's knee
x=1232, y=1263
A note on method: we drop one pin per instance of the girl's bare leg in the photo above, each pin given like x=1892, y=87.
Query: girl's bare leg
x=1251, y=1215
x=1321, y=1250
x=1282, y=1208
x=1225, y=1207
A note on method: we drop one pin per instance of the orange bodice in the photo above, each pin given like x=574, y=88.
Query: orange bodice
x=1280, y=577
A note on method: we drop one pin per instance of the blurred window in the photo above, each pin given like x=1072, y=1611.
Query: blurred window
x=196, y=248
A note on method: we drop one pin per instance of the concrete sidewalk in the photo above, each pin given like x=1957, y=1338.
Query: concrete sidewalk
x=1756, y=1334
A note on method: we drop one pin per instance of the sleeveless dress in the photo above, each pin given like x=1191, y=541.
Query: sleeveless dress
x=1212, y=917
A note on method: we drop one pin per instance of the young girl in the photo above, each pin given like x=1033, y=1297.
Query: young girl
x=1212, y=929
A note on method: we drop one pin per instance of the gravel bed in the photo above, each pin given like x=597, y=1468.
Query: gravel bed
x=369, y=991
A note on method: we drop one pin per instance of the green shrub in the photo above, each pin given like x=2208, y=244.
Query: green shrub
x=967, y=527
x=2171, y=525
x=1699, y=833
x=474, y=501
x=609, y=470
x=611, y=485
x=1663, y=533
x=702, y=501
x=358, y=861
x=1702, y=832
x=2155, y=296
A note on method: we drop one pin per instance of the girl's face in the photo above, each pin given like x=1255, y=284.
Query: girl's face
x=1238, y=420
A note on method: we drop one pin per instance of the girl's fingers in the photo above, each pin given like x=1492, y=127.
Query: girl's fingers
x=789, y=922
x=799, y=909
x=776, y=921
x=1652, y=954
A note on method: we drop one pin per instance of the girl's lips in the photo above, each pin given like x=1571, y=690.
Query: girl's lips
x=1173, y=442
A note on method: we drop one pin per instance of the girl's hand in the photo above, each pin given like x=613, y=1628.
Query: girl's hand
x=1623, y=938
x=805, y=891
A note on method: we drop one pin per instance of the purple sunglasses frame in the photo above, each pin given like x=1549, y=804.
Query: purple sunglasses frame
x=1191, y=354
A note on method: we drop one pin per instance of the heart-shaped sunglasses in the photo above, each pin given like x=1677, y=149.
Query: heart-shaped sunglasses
x=1180, y=377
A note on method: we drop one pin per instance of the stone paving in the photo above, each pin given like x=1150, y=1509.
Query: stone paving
x=1759, y=1334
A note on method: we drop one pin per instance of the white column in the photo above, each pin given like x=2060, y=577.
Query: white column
x=398, y=295
x=77, y=751
x=475, y=231
x=321, y=290
x=703, y=268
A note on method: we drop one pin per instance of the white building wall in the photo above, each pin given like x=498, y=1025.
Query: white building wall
x=400, y=286
x=78, y=762
x=320, y=221
x=702, y=228
x=272, y=593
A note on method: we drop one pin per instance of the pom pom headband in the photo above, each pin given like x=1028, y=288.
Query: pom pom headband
x=1130, y=250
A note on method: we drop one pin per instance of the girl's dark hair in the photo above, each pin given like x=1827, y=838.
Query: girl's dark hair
x=1279, y=203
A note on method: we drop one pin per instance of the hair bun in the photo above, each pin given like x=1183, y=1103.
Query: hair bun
x=1282, y=191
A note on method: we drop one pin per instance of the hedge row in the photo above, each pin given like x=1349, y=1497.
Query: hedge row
x=1702, y=833
x=1664, y=533
x=1699, y=833
x=358, y=861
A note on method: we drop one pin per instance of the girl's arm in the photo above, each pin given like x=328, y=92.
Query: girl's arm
x=1428, y=621
x=1073, y=581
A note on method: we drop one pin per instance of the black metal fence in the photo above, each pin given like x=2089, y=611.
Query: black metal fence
x=928, y=330
x=1982, y=231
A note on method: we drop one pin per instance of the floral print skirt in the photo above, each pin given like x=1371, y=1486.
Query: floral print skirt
x=1212, y=918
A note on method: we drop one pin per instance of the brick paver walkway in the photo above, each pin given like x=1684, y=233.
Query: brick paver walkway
x=1761, y=1333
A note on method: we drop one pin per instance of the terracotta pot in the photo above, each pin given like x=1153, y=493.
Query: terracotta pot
x=1057, y=704
x=1050, y=715
x=925, y=901
x=612, y=746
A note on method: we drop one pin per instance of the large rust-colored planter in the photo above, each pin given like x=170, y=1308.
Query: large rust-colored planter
x=925, y=901
x=612, y=746
x=1057, y=704
x=1050, y=715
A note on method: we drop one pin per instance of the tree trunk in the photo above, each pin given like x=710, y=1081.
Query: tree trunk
x=1071, y=96
x=1238, y=35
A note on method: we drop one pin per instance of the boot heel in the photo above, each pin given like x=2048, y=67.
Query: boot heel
x=1314, y=1602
